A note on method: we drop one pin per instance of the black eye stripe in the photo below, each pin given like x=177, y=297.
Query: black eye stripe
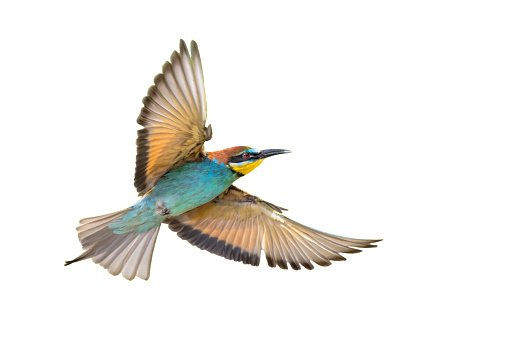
x=240, y=157
x=236, y=158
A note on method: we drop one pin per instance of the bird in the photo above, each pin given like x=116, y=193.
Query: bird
x=191, y=190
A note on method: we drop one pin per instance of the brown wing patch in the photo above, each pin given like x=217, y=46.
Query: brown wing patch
x=173, y=118
x=238, y=226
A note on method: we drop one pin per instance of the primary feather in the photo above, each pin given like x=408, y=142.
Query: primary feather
x=173, y=118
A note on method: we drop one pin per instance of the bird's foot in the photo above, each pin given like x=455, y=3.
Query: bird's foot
x=161, y=209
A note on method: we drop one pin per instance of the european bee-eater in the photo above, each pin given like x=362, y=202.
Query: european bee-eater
x=191, y=190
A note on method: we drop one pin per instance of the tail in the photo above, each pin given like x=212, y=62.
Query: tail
x=127, y=252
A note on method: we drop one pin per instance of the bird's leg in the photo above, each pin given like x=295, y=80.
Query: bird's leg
x=161, y=208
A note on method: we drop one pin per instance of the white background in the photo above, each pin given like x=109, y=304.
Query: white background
x=397, y=116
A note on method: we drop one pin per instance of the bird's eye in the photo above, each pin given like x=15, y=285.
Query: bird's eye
x=246, y=155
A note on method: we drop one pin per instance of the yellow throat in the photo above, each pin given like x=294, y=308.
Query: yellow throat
x=246, y=166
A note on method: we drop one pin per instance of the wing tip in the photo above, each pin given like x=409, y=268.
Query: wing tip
x=369, y=243
x=183, y=49
x=195, y=53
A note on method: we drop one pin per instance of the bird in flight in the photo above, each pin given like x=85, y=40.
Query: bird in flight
x=192, y=191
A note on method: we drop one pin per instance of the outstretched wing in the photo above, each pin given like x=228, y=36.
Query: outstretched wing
x=237, y=226
x=173, y=118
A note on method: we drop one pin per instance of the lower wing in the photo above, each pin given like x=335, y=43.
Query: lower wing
x=238, y=226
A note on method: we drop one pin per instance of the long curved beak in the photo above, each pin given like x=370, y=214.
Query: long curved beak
x=270, y=152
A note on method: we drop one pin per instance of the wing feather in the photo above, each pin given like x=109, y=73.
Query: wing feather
x=173, y=119
x=198, y=75
x=238, y=226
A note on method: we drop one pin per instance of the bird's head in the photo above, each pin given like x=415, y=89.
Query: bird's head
x=248, y=159
x=243, y=159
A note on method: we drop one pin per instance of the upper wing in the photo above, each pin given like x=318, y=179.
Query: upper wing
x=237, y=226
x=173, y=118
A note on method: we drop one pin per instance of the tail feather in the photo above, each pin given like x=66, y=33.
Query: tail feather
x=137, y=258
x=89, y=223
x=85, y=255
x=127, y=253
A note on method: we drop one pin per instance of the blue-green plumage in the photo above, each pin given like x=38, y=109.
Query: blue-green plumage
x=180, y=190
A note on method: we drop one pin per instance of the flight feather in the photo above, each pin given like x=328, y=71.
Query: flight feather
x=173, y=118
x=238, y=226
